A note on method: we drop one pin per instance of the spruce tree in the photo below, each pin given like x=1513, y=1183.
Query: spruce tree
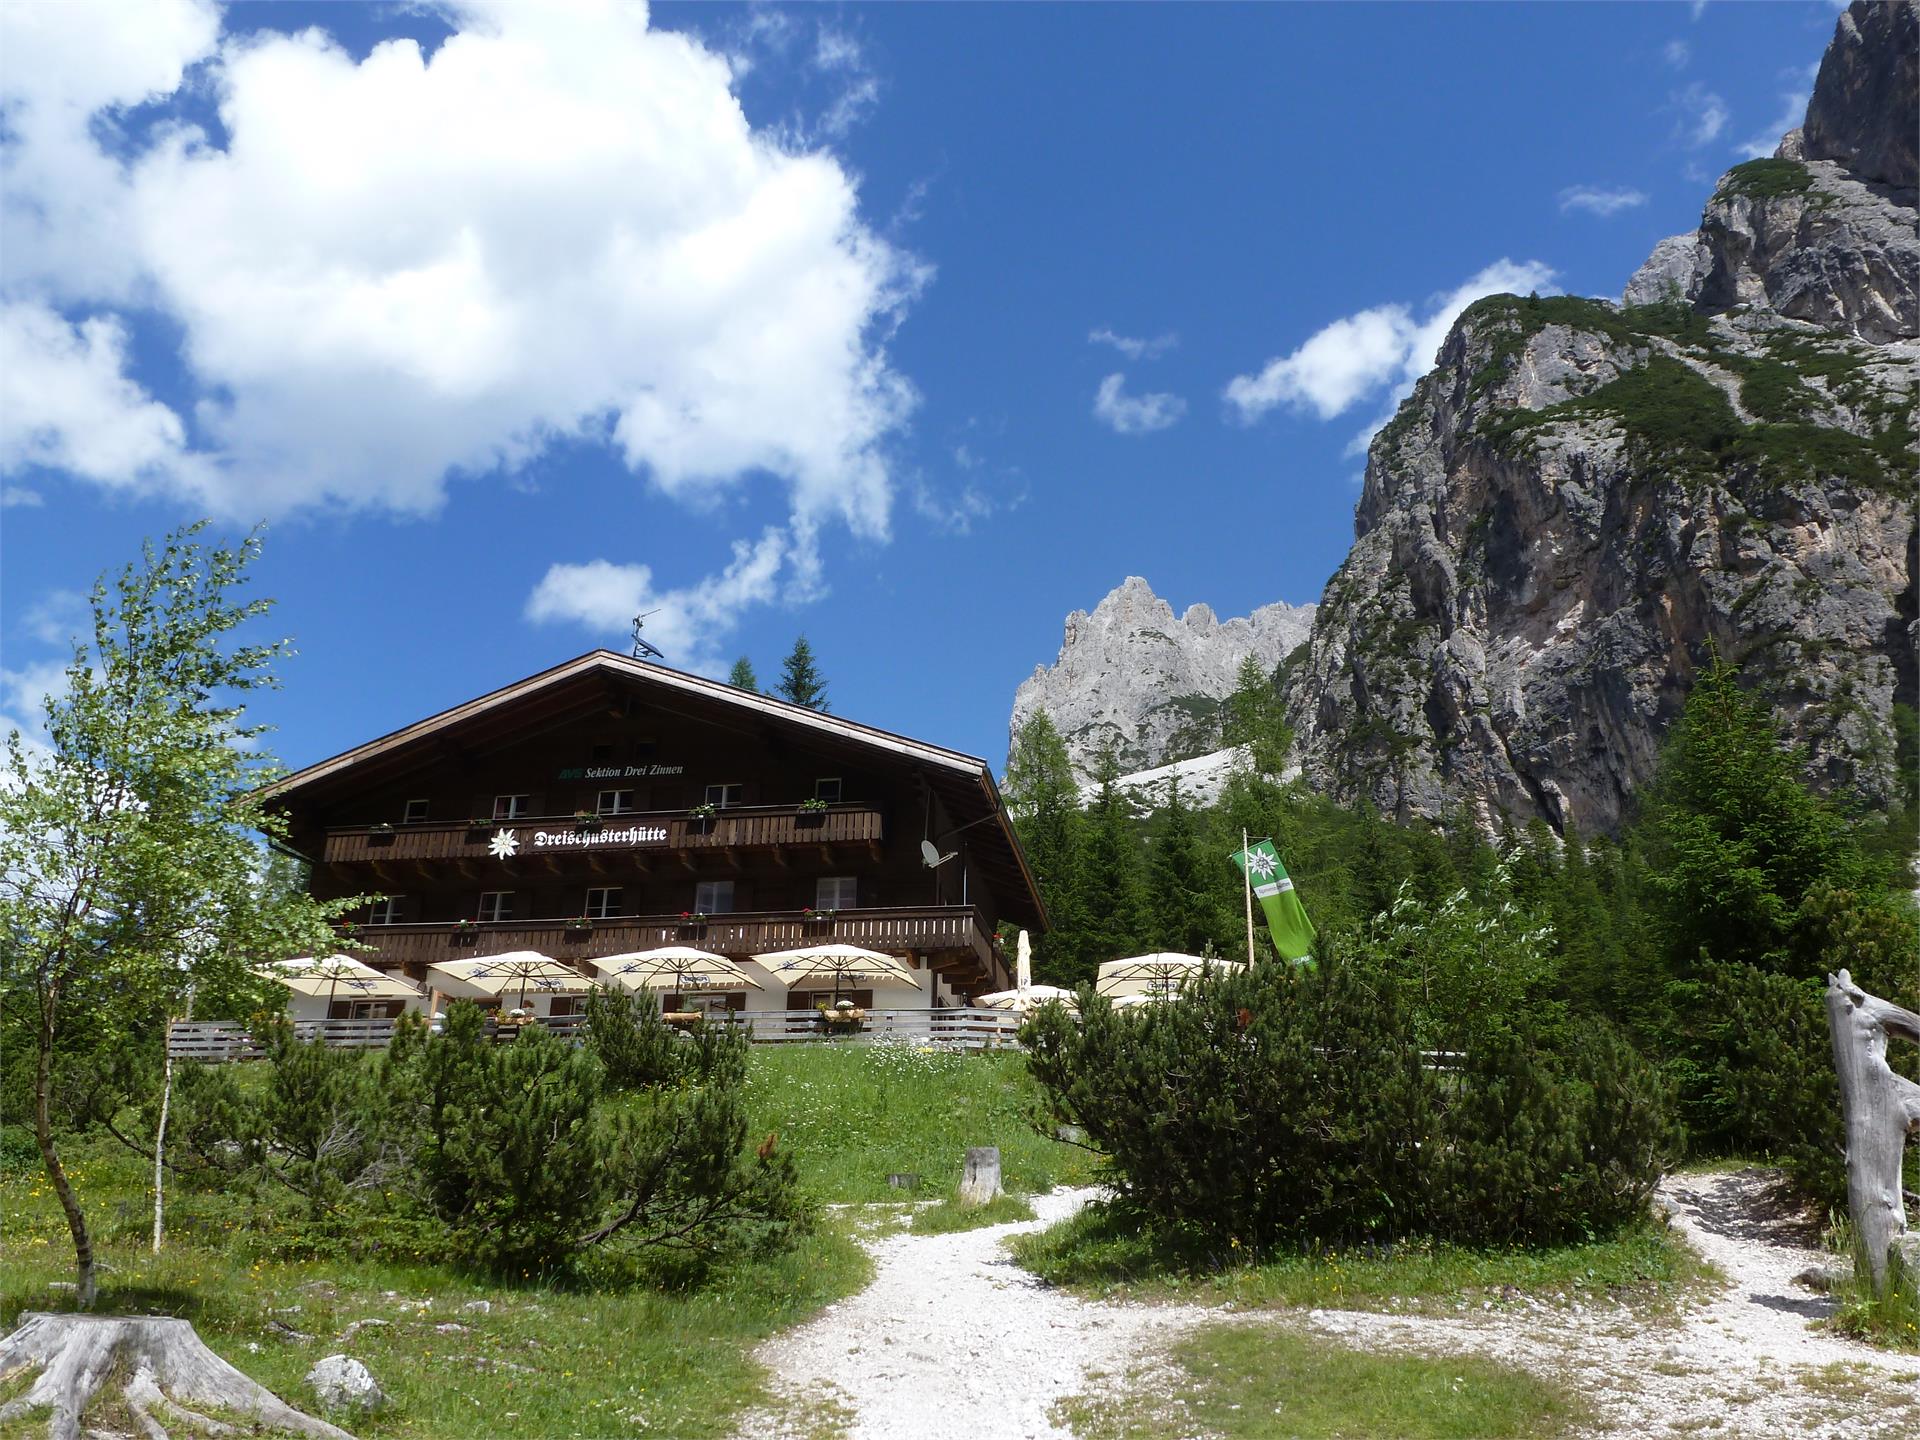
x=1114, y=887
x=1736, y=836
x=800, y=679
x=741, y=677
x=1043, y=798
x=1177, y=879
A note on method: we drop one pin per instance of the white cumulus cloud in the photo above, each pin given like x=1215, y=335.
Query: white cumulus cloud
x=1385, y=348
x=1677, y=53
x=1601, y=200
x=604, y=596
x=1134, y=414
x=67, y=404
x=398, y=269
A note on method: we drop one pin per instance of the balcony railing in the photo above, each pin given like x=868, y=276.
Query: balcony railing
x=734, y=828
x=934, y=930
x=958, y=1029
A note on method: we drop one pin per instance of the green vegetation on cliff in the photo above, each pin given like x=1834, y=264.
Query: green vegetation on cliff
x=1764, y=179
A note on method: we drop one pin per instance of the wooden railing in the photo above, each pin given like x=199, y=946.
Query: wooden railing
x=216, y=1041
x=735, y=828
x=926, y=929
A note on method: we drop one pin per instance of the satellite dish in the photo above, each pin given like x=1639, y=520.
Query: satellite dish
x=930, y=854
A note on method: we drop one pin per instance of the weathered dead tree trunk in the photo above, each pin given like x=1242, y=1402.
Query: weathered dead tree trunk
x=1879, y=1108
x=980, y=1175
x=158, y=1364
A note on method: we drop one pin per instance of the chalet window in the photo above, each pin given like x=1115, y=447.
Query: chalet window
x=614, y=802
x=725, y=795
x=603, y=903
x=416, y=812
x=713, y=897
x=836, y=892
x=568, y=1005
x=496, y=905
x=827, y=788
x=385, y=912
x=511, y=807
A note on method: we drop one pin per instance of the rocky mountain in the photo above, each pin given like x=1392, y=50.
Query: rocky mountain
x=1135, y=676
x=1582, y=499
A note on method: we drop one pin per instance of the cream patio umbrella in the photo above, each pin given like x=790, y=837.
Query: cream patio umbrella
x=1158, y=976
x=841, y=962
x=327, y=976
x=677, y=969
x=1022, y=1001
x=485, y=976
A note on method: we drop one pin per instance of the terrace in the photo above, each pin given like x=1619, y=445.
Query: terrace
x=952, y=939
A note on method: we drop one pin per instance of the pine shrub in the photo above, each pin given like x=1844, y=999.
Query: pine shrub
x=1287, y=1106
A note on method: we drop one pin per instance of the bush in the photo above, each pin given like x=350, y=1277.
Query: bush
x=635, y=1048
x=1292, y=1106
x=506, y=1157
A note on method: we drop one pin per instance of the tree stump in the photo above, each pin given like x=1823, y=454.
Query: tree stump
x=1879, y=1108
x=980, y=1176
x=155, y=1363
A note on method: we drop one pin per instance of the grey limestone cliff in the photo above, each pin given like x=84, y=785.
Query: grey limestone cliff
x=1582, y=499
x=1133, y=675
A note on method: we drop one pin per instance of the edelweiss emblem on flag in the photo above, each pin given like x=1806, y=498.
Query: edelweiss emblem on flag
x=504, y=845
x=1260, y=863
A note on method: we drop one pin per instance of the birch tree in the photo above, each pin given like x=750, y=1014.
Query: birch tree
x=129, y=860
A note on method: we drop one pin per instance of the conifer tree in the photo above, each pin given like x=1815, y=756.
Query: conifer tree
x=741, y=677
x=1177, y=879
x=1254, y=716
x=800, y=679
x=1044, y=800
x=1113, y=885
x=1737, y=838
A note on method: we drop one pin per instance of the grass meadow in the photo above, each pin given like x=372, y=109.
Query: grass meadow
x=547, y=1360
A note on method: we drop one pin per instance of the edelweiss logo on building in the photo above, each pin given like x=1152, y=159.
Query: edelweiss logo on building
x=504, y=845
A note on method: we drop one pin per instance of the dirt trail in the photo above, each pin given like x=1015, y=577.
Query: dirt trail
x=952, y=1339
x=1744, y=1363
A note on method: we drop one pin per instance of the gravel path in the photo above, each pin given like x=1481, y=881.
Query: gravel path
x=952, y=1339
x=1744, y=1363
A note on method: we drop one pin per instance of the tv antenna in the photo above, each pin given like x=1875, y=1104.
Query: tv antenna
x=644, y=649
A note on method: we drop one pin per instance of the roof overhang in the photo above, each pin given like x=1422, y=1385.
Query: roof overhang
x=964, y=783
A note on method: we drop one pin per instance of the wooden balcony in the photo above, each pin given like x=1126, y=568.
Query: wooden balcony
x=759, y=827
x=950, y=938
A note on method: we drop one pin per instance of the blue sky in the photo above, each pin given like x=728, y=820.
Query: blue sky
x=911, y=327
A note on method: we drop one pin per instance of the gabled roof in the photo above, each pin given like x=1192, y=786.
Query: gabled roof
x=964, y=783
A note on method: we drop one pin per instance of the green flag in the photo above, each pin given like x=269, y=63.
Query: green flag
x=1286, y=917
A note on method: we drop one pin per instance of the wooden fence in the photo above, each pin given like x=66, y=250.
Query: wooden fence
x=216, y=1041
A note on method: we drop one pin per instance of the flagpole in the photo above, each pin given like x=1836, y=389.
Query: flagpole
x=1246, y=876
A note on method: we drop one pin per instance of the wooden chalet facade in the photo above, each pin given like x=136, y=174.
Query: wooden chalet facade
x=610, y=805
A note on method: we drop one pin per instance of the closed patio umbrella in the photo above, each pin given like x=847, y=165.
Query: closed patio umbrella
x=838, y=961
x=331, y=975
x=1156, y=976
x=486, y=976
x=677, y=969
